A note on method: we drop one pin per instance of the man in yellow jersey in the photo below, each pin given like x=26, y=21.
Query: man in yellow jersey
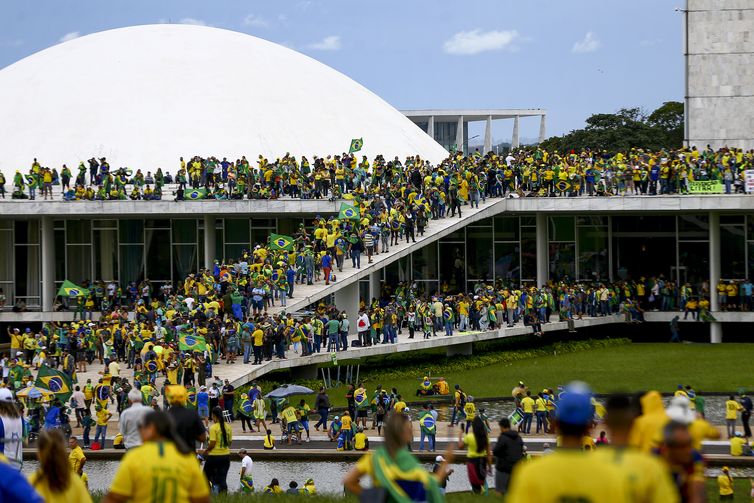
x=569, y=473
x=647, y=478
x=725, y=485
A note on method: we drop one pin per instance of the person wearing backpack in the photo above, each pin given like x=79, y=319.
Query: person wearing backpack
x=458, y=405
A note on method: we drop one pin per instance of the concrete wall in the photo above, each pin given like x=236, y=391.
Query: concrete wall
x=720, y=67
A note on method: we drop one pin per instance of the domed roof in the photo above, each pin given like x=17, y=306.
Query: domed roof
x=143, y=96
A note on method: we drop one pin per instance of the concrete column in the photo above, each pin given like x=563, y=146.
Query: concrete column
x=210, y=235
x=431, y=127
x=459, y=134
x=514, y=140
x=347, y=299
x=48, y=263
x=375, y=279
x=542, y=121
x=716, y=329
x=488, y=135
x=543, y=251
x=464, y=349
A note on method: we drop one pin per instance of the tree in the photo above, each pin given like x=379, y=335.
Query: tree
x=627, y=128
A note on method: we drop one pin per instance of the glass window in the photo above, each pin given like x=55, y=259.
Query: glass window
x=732, y=252
x=507, y=262
x=750, y=228
x=452, y=266
x=131, y=231
x=234, y=251
x=732, y=219
x=529, y=220
x=693, y=227
x=6, y=255
x=184, y=261
x=396, y=272
x=237, y=230
x=106, y=254
x=644, y=224
x=593, y=253
x=157, y=224
x=458, y=235
x=259, y=236
x=131, y=264
x=59, y=254
x=487, y=222
x=157, y=248
x=264, y=223
x=562, y=261
x=424, y=264
x=693, y=261
x=105, y=224
x=27, y=232
x=27, y=272
x=184, y=231
x=561, y=228
x=591, y=220
x=78, y=231
x=506, y=228
x=479, y=253
x=528, y=254
x=78, y=263
x=6, y=225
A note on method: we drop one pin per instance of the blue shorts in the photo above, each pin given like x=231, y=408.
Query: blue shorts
x=203, y=411
x=305, y=424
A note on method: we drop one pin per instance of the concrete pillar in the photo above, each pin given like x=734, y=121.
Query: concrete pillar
x=375, y=279
x=514, y=140
x=210, y=235
x=48, y=263
x=431, y=127
x=542, y=121
x=464, y=349
x=347, y=299
x=543, y=251
x=459, y=135
x=488, y=135
x=716, y=329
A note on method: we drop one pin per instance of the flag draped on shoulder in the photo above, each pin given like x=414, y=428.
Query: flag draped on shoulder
x=69, y=289
x=348, y=212
x=356, y=145
x=55, y=381
x=281, y=242
x=189, y=342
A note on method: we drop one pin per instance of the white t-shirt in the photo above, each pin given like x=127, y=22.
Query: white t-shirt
x=214, y=392
x=247, y=463
x=189, y=301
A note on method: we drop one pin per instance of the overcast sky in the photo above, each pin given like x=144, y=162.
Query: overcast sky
x=571, y=57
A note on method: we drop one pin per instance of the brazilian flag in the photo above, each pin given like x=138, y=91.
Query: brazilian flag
x=562, y=186
x=356, y=145
x=102, y=394
x=348, y=212
x=188, y=342
x=191, y=398
x=69, y=289
x=55, y=381
x=281, y=242
x=195, y=194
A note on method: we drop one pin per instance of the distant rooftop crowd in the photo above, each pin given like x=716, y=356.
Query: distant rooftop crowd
x=526, y=172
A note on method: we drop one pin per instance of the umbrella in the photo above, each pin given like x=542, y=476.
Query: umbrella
x=288, y=390
x=34, y=392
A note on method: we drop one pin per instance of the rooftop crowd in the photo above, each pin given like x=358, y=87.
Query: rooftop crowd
x=525, y=172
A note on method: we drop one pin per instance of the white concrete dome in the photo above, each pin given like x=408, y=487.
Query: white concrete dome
x=143, y=96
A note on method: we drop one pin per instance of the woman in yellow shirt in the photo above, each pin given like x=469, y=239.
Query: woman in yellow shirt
x=217, y=453
x=54, y=480
x=478, y=453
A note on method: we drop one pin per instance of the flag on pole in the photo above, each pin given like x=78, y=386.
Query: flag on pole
x=348, y=212
x=196, y=194
x=69, y=289
x=281, y=242
x=188, y=342
x=356, y=145
x=55, y=381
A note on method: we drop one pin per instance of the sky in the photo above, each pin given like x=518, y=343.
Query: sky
x=570, y=57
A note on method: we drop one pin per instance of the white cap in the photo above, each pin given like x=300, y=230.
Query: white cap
x=439, y=459
x=6, y=395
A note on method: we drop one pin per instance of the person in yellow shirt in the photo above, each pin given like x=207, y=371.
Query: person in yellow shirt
x=76, y=458
x=605, y=481
x=647, y=479
x=527, y=405
x=163, y=468
x=725, y=485
x=646, y=432
x=469, y=410
x=732, y=408
x=701, y=430
x=739, y=446
x=217, y=453
x=54, y=481
x=540, y=409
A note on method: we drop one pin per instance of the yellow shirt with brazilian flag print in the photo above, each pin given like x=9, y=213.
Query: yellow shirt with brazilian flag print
x=157, y=471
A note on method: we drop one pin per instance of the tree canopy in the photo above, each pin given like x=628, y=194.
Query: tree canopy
x=627, y=128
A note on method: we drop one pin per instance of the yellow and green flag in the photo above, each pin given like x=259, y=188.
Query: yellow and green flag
x=356, y=145
x=348, y=212
x=69, y=289
x=281, y=242
x=189, y=342
x=55, y=381
x=196, y=194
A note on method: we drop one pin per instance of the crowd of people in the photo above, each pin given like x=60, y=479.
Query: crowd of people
x=529, y=171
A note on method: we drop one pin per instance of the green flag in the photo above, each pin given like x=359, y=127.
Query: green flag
x=281, y=242
x=69, y=289
x=356, y=145
x=348, y=212
x=188, y=342
x=196, y=194
x=55, y=381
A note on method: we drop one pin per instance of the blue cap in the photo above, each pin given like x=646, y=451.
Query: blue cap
x=575, y=405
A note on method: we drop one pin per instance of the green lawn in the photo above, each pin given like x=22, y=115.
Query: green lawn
x=628, y=367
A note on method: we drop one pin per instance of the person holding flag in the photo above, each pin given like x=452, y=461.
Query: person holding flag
x=428, y=428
